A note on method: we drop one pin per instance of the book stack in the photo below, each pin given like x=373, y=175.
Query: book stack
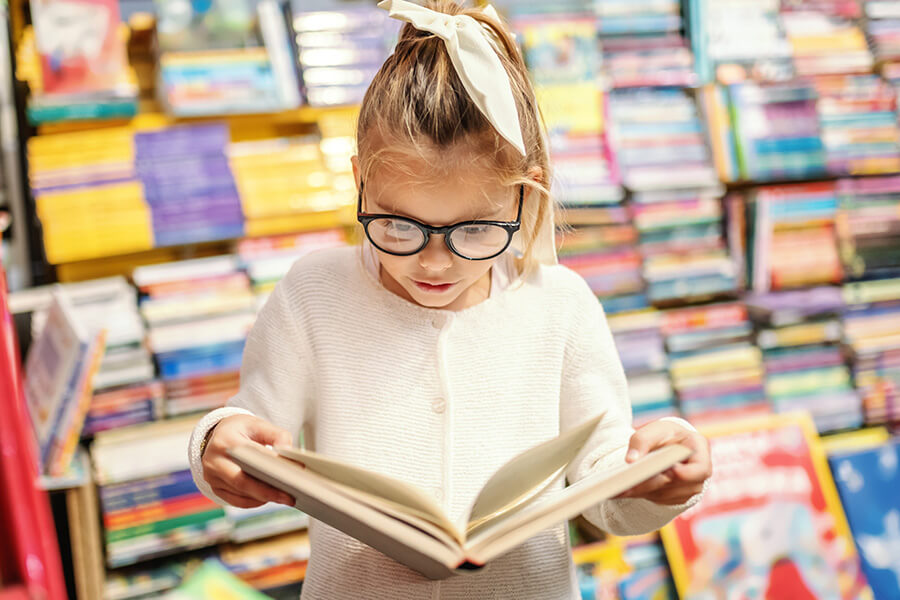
x=144, y=580
x=659, y=140
x=340, y=48
x=793, y=241
x=872, y=332
x=776, y=130
x=715, y=106
x=681, y=242
x=285, y=186
x=564, y=62
x=716, y=371
x=198, y=314
x=607, y=257
x=267, y=260
x=883, y=28
x=272, y=565
x=641, y=347
x=800, y=334
x=150, y=506
x=188, y=184
x=75, y=62
x=739, y=40
x=86, y=195
x=825, y=38
x=124, y=389
x=868, y=227
x=643, y=45
x=858, y=117
x=220, y=59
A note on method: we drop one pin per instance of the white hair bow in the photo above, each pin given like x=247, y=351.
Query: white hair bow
x=475, y=60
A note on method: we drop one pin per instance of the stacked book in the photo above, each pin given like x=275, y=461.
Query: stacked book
x=739, y=40
x=198, y=314
x=150, y=506
x=716, y=371
x=276, y=565
x=564, y=63
x=883, y=27
x=826, y=39
x=872, y=332
x=86, y=195
x=267, y=260
x=86, y=79
x=659, y=140
x=682, y=246
x=219, y=59
x=800, y=333
x=868, y=227
x=124, y=389
x=340, y=48
x=285, y=185
x=188, y=184
x=792, y=242
x=776, y=130
x=642, y=43
x=641, y=347
x=607, y=257
x=858, y=118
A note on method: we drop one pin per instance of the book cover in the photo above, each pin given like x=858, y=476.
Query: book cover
x=867, y=481
x=771, y=524
x=79, y=45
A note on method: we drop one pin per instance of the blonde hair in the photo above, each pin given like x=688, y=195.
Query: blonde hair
x=417, y=103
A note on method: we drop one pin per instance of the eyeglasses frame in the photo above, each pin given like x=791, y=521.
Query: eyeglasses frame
x=511, y=228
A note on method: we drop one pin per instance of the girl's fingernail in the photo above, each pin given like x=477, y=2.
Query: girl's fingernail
x=632, y=455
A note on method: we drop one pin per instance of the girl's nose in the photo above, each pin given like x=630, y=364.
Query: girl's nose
x=435, y=256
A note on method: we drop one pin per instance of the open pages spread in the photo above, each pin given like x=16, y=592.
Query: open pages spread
x=404, y=523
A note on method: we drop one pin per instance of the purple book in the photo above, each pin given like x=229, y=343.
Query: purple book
x=171, y=200
x=782, y=308
x=206, y=167
x=182, y=140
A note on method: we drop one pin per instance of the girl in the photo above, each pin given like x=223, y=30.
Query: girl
x=451, y=341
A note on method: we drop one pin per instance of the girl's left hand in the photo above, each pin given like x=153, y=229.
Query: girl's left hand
x=684, y=480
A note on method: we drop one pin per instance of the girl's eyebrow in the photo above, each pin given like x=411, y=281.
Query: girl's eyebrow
x=480, y=216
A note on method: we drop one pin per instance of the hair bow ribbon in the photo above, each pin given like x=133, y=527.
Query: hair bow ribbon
x=475, y=61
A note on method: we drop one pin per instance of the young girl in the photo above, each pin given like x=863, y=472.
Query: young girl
x=451, y=341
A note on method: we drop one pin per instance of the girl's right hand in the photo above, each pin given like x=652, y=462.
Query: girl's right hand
x=225, y=477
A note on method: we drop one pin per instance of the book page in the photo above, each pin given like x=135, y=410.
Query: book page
x=507, y=533
x=401, y=495
x=528, y=474
x=321, y=499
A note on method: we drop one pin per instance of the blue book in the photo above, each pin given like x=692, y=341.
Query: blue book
x=868, y=482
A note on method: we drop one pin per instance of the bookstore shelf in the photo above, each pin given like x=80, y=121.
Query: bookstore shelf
x=729, y=172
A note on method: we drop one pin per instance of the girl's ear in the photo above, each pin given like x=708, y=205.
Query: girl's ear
x=354, y=160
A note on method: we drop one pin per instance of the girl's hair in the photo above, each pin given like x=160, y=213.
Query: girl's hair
x=417, y=103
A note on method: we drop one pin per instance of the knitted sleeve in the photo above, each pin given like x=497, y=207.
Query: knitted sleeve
x=276, y=378
x=593, y=381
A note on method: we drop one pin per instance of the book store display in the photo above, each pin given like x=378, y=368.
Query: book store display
x=729, y=179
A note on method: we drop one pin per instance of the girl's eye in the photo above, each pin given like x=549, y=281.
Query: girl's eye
x=400, y=227
x=476, y=229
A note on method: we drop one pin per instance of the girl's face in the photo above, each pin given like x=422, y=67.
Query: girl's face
x=435, y=277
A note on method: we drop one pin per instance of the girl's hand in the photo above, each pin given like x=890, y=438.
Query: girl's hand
x=678, y=484
x=225, y=477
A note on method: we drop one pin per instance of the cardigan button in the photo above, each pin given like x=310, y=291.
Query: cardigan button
x=438, y=405
x=437, y=323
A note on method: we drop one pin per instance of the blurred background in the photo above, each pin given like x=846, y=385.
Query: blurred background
x=729, y=173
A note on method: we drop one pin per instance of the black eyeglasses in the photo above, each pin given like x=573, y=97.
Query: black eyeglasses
x=471, y=240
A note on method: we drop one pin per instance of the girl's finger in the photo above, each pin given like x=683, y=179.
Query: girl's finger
x=675, y=495
x=693, y=471
x=236, y=500
x=248, y=487
x=648, y=487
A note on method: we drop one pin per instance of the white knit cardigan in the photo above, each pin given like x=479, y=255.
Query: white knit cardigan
x=439, y=399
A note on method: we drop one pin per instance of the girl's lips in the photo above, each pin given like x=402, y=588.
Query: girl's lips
x=434, y=288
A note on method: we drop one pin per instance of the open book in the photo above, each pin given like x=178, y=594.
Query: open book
x=406, y=524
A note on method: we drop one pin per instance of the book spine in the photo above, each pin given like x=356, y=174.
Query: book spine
x=154, y=512
x=68, y=396
x=163, y=526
